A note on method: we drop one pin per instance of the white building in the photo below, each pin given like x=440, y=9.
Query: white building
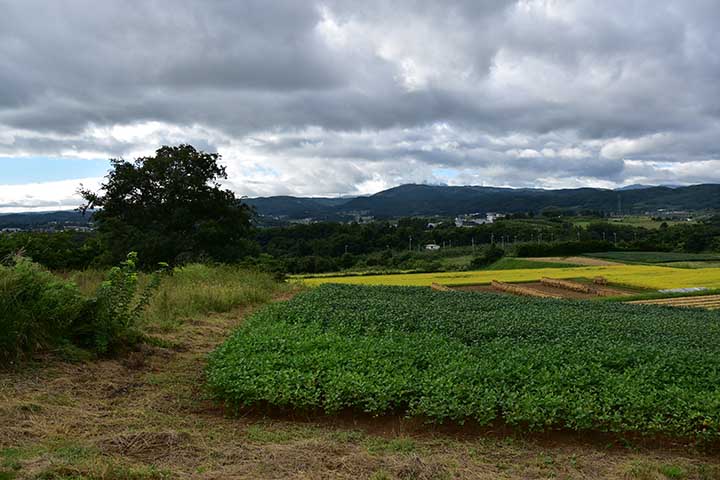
x=472, y=219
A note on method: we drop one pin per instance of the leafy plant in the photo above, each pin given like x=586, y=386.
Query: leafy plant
x=534, y=363
x=119, y=304
x=37, y=309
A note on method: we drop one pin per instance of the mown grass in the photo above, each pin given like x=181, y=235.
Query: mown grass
x=74, y=421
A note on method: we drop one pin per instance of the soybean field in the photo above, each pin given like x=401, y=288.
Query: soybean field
x=535, y=364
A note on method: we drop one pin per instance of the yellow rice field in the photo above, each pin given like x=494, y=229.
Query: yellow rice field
x=643, y=276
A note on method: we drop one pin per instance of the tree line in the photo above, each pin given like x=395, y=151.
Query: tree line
x=172, y=207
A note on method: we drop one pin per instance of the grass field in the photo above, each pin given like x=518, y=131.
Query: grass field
x=656, y=257
x=642, y=276
x=631, y=220
x=512, y=263
x=536, y=364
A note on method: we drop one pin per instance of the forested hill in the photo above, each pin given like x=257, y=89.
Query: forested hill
x=418, y=200
x=426, y=200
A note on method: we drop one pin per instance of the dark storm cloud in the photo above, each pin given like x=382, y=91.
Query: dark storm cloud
x=508, y=90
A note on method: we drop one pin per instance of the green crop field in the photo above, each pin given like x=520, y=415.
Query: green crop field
x=532, y=363
x=656, y=257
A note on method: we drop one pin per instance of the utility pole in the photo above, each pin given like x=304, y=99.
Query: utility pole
x=410, y=244
x=346, y=249
x=492, y=239
x=473, y=243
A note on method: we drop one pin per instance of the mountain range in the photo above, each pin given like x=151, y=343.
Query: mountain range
x=429, y=200
x=439, y=200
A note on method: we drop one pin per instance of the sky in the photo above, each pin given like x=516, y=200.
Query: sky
x=328, y=98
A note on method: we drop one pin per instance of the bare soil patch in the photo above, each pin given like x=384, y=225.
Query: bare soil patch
x=546, y=290
x=149, y=417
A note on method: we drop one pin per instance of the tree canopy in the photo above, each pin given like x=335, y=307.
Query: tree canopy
x=169, y=207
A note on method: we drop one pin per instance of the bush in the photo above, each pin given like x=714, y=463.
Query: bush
x=118, y=307
x=489, y=256
x=39, y=310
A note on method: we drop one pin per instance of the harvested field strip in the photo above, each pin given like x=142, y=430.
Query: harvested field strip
x=519, y=290
x=568, y=285
x=596, y=289
x=711, y=302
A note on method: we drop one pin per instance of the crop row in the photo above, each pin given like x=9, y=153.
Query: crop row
x=535, y=363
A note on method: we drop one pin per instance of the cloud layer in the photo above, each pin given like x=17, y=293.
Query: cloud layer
x=343, y=97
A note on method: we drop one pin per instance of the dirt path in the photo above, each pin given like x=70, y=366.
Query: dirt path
x=593, y=262
x=147, y=417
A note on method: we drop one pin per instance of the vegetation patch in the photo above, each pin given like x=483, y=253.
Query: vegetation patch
x=641, y=276
x=656, y=257
x=534, y=363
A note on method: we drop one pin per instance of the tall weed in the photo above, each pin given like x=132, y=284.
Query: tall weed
x=37, y=309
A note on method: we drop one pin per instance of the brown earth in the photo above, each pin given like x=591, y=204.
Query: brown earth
x=546, y=290
x=147, y=416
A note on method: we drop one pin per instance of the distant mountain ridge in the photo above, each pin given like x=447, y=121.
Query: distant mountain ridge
x=426, y=200
x=429, y=200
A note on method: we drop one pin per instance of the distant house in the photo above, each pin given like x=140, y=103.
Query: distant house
x=432, y=246
x=472, y=219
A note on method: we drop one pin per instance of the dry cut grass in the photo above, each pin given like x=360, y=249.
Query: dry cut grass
x=147, y=416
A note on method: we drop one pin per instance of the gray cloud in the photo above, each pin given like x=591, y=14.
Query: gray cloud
x=343, y=97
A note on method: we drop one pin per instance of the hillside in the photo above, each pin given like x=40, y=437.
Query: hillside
x=44, y=219
x=409, y=200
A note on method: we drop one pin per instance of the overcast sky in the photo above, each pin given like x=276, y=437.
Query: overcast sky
x=348, y=97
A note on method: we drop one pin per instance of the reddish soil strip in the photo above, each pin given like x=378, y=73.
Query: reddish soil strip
x=545, y=290
x=568, y=285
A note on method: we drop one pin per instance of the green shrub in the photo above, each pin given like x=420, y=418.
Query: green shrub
x=117, y=309
x=37, y=309
x=489, y=256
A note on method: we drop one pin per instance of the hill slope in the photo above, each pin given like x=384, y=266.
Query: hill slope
x=409, y=200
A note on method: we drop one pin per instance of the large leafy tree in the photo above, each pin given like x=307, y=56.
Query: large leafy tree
x=169, y=207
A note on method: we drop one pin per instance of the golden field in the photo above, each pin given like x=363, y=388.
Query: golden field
x=643, y=276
